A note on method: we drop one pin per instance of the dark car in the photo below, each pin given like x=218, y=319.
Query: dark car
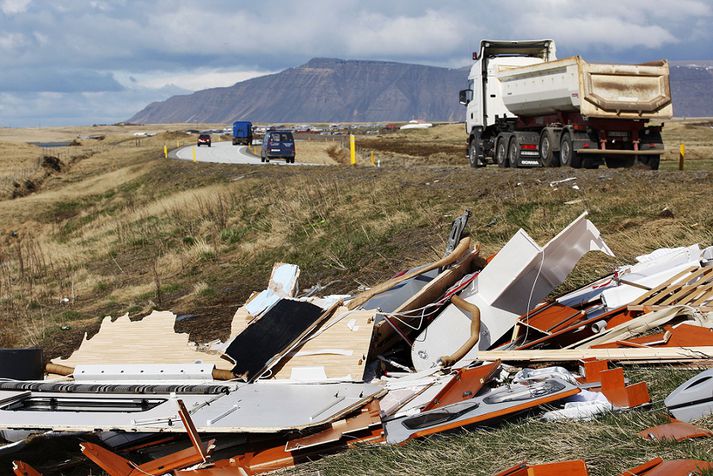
x=278, y=145
x=204, y=139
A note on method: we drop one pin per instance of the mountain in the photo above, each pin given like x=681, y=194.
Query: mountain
x=692, y=88
x=324, y=90
x=334, y=90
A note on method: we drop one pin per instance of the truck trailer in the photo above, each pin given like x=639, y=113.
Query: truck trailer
x=526, y=108
x=242, y=133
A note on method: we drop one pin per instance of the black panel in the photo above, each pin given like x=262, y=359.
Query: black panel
x=21, y=364
x=272, y=334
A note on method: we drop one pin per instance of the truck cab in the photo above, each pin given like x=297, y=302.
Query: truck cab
x=486, y=112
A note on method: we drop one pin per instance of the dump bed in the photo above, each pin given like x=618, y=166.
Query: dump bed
x=593, y=90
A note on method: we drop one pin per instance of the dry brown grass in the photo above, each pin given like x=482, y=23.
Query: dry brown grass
x=95, y=234
x=314, y=152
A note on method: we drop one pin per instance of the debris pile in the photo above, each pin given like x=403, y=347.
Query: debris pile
x=462, y=341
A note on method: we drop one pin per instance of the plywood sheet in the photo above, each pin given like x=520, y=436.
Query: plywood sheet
x=340, y=346
x=264, y=342
x=151, y=340
x=240, y=321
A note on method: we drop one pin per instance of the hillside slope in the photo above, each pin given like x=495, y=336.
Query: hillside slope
x=324, y=90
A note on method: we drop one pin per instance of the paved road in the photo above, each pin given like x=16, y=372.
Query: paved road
x=223, y=153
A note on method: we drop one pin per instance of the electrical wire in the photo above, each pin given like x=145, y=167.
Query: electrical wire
x=532, y=291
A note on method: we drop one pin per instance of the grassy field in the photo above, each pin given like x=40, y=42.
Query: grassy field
x=118, y=229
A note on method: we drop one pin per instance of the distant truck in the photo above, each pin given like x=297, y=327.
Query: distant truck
x=525, y=108
x=242, y=132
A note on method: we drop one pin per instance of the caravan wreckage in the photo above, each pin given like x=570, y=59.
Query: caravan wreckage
x=439, y=347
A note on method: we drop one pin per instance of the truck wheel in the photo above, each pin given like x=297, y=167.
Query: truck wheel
x=474, y=152
x=650, y=161
x=568, y=156
x=513, y=152
x=654, y=162
x=548, y=157
x=501, y=155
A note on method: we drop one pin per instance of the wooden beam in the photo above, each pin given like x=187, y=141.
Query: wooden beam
x=620, y=355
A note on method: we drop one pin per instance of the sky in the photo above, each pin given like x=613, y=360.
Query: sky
x=75, y=62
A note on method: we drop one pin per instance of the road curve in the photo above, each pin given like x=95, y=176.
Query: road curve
x=223, y=153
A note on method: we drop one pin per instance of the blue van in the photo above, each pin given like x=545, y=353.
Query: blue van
x=278, y=145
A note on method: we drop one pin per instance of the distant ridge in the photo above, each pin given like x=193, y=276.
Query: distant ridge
x=335, y=90
x=324, y=90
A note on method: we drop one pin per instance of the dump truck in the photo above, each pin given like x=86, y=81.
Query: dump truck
x=242, y=132
x=526, y=108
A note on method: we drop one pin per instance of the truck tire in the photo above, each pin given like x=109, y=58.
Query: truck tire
x=648, y=139
x=501, y=153
x=650, y=161
x=513, y=152
x=475, y=152
x=547, y=155
x=568, y=156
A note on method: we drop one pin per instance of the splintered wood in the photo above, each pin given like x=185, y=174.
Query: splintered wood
x=151, y=340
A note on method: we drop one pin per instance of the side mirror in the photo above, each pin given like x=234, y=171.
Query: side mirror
x=465, y=96
x=475, y=56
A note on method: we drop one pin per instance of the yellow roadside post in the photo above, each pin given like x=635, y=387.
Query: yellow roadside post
x=165, y=151
x=194, y=154
x=373, y=162
x=681, y=156
x=352, y=148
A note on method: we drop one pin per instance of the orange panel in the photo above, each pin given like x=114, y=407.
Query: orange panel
x=23, y=469
x=614, y=388
x=676, y=430
x=592, y=368
x=116, y=465
x=551, y=317
x=273, y=459
x=464, y=385
x=492, y=415
x=676, y=467
x=569, y=468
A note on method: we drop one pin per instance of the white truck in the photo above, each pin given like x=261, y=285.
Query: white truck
x=526, y=108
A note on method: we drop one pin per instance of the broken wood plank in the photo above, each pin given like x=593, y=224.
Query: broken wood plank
x=620, y=355
x=645, y=297
x=151, y=340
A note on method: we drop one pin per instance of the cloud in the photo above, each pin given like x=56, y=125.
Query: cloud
x=58, y=81
x=70, y=47
x=13, y=7
x=193, y=80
